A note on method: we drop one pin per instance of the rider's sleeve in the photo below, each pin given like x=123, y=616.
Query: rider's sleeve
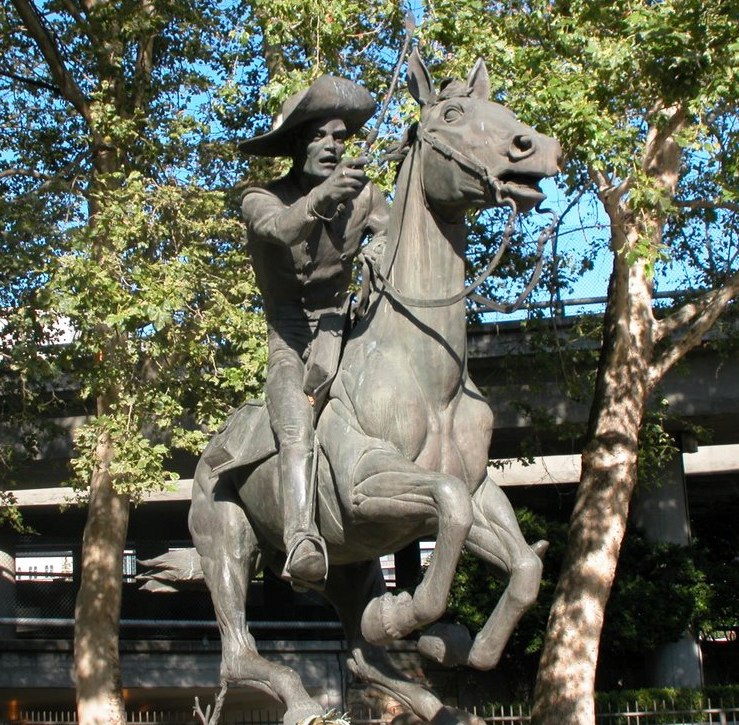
x=377, y=221
x=379, y=214
x=270, y=220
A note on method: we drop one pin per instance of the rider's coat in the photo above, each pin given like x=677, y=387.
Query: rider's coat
x=303, y=265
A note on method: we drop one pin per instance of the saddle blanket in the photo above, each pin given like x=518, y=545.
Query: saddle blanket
x=246, y=437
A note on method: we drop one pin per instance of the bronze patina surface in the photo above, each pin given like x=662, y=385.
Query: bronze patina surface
x=402, y=443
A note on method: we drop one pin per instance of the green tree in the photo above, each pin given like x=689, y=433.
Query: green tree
x=643, y=98
x=123, y=270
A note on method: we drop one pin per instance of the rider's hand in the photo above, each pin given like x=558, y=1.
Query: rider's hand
x=345, y=182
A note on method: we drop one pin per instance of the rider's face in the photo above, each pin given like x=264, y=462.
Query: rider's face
x=324, y=146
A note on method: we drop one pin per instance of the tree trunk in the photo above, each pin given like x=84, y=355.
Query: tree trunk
x=98, y=607
x=564, y=691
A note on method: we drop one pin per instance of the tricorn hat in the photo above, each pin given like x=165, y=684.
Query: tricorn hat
x=328, y=97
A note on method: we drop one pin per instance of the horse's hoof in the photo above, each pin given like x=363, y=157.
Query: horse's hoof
x=453, y=716
x=388, y=618
x=303, y=714
x=447, y=644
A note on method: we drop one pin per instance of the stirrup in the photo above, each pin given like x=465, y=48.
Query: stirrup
x=298, y=584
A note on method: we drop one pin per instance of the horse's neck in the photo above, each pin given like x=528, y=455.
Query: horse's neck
x=423, y=260
x=428, y=260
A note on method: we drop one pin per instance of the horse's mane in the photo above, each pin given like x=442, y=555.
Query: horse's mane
x=399, y=150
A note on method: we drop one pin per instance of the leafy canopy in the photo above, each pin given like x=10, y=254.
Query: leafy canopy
x=124, y=273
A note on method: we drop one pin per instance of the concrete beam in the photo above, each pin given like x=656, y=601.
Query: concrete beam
x=712, y=460
x=181, y=491
x=544, y=471
x=550, y=470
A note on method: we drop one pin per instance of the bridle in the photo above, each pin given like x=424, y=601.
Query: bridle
x=493, y=185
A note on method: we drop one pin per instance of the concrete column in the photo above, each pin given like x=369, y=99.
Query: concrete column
x=7, y=585
x=661, y=508
x=661, y=512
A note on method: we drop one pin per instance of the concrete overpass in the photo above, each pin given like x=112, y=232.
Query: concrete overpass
x=35, y=661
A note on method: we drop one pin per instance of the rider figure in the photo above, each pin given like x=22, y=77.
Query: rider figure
x=303, y=233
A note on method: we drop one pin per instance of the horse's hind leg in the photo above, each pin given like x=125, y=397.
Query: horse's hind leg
x=349, y=589
x=229, y=551
x=496, y=538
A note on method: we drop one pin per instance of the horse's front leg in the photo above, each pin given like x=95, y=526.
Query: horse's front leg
x=496, y=538
x=393, y=490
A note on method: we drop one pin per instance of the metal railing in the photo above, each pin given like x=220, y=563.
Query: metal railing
x=660, y=713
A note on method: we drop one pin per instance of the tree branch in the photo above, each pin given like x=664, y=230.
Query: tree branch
x=608, y=192
x=707, y=204
x=144, y=60
x=74, y=11
x=33, y=82
x=49, y=48
x=599, y=178
x=23, y=172
x=686, y=327
x=49, y=179
x=657, y=137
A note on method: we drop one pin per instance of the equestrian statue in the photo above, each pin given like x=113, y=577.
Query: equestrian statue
x=398, y=435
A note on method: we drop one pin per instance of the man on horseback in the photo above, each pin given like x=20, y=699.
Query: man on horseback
x=303, y=233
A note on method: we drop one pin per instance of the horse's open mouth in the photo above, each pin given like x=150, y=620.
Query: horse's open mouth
x=523, y=189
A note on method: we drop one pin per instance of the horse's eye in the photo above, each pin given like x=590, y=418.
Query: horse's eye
x=453, y=113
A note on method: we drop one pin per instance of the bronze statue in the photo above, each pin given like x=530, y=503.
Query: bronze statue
x=404, y=437
x=304, y=231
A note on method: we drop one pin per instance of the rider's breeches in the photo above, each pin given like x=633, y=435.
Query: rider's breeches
x=291, y=417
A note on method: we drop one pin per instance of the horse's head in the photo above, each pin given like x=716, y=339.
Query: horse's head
x=476, y=153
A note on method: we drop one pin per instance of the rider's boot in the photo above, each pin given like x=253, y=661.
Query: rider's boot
x=306, y=566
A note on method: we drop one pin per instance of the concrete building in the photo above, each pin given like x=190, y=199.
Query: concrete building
x=169, y=643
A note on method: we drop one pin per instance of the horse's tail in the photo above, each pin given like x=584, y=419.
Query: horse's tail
x=172, y=572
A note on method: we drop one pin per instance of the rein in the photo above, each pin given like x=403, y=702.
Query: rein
x=494, y=185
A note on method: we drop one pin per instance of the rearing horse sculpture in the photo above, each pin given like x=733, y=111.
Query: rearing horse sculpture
x=405, y=434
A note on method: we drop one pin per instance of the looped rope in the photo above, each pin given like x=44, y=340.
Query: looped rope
x=373, y=274
x=485, y=303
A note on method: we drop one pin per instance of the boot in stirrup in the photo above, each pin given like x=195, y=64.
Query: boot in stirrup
x=306, y=566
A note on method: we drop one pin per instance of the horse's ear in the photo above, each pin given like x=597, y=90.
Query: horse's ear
x=479, y=80
x=419, y=80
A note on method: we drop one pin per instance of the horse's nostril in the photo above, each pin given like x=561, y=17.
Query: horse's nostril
x=521, y=147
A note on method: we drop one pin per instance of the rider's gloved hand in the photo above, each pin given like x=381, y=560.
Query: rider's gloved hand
x=345, y=182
